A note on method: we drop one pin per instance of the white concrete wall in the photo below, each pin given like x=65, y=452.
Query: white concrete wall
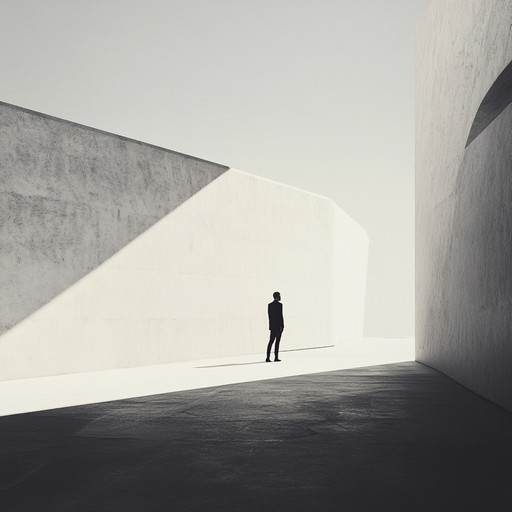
x=197, y=283
x=463, y=207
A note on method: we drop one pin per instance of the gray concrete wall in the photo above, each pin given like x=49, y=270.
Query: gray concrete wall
x=71, y=197
x=117, y=254
x=464, y=198
x=196, y=285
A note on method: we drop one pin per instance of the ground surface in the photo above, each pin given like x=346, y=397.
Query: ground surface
x=29, y=395
x=391, y=437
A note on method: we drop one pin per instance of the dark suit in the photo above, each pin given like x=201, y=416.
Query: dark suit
x=276, y=326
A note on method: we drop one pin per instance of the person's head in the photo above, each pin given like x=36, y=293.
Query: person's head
x=276, y=295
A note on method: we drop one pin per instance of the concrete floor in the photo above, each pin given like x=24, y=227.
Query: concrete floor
x=398, y=437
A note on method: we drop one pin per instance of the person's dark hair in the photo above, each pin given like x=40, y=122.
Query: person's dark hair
x=276, y=295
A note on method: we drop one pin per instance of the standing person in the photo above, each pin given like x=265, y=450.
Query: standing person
x=275, y=325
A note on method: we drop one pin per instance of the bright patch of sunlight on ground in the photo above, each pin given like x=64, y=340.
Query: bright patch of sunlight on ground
x=26, y=395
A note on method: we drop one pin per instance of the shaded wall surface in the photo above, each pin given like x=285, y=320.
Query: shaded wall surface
x=195, y=284
x=464, y=195
x=71, y=196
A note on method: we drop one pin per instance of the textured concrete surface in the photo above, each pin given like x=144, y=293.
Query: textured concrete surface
x=42, y=393
x=494, y=103
x=72, y=196
x=463, y=207
x=195, y=284
x=394, y=438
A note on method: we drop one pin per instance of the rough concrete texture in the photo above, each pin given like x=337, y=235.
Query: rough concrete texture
x=464, y=210
x=196, y=285
x=386, y=438
x=497, y=99
x=72, y=196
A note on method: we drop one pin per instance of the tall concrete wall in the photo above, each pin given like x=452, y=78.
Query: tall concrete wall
x=464, y=195
x=71, y=197
x=197, y=282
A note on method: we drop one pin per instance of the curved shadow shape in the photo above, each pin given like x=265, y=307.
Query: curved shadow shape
x=495, y=101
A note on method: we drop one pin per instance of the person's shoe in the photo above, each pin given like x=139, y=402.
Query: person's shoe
x=268, y=360
x=277, y=360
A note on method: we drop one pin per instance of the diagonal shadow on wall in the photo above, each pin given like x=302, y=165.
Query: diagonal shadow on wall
x=72, y=196
x=473, y=317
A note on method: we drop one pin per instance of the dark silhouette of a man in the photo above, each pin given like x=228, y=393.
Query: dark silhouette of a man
x=275, y=325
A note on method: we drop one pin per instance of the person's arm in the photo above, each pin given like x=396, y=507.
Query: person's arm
x=282, y=317
x=268, y=309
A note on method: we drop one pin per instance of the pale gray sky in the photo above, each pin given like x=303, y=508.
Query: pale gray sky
x=318, y=94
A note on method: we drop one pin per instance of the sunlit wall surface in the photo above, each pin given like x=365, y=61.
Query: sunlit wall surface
x=194, y=283
x=71, y=197
x=463, y=194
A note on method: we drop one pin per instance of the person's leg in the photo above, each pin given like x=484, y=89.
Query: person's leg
x=270, y=342
x=276, y=347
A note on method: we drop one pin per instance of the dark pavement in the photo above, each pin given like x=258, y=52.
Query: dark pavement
x=398, y=437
